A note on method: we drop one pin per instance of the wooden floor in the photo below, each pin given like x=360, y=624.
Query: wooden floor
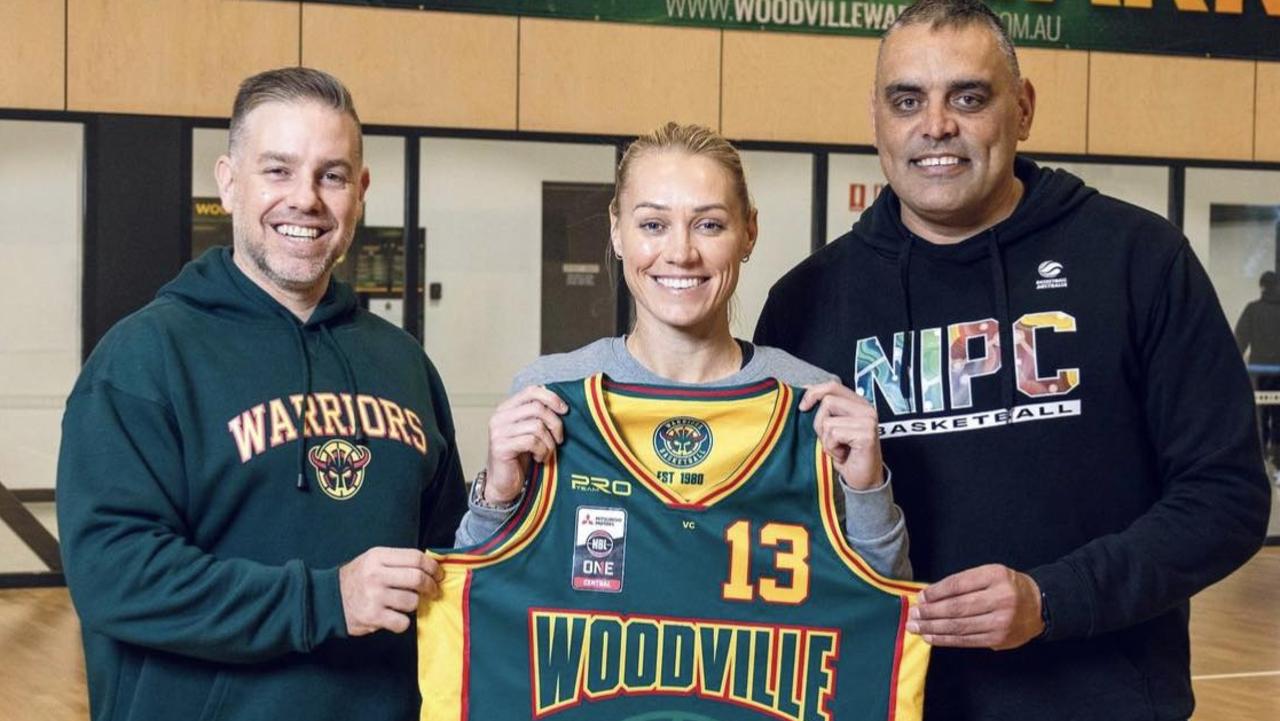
x=1235, y=637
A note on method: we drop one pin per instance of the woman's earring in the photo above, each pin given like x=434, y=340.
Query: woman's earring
x=746, y=257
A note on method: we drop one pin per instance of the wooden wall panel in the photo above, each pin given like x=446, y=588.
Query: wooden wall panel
x=408, y=67
x=810, y=88
x=1171, y=106
x=32, y=64
x=1061, y=81
x=173, y=58
x=595, y=77
x=1266, y=124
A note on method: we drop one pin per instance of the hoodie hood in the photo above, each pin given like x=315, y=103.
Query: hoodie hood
x=1047, y=196
x=214, y=284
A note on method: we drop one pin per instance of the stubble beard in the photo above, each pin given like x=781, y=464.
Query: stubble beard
x=256, y=248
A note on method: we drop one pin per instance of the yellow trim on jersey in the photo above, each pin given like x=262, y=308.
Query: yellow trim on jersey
x=913, y=661
x=515, y=539
x=827, y=480
x=912, y=665
x=442, y=656
x=746, y=442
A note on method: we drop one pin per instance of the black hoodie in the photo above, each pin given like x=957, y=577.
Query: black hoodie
x=219, y=461
x=1119, y=465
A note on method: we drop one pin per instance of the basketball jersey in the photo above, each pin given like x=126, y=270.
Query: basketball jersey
x=679, y=558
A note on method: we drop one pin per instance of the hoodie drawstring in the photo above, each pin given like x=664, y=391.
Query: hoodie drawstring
x=306, y=394
x=356, y=429
x=1003, y=324
x=904, y=282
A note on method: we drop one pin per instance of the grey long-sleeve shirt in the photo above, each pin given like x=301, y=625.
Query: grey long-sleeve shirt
x=873, y=523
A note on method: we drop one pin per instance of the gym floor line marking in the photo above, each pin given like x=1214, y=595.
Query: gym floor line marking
x=1250, y=674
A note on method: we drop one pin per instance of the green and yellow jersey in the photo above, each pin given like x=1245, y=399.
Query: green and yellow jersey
x=678, y=559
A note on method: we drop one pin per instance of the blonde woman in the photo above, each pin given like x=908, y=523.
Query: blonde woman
x=683, y=224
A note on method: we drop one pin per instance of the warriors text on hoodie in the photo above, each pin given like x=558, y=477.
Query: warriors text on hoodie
x=219, y=461
x=1060, y=394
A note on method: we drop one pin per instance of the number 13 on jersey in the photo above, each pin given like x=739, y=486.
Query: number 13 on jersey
x=791, y=558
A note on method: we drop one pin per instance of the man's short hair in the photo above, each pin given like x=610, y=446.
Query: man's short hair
x=291, y=85
x=959, y=14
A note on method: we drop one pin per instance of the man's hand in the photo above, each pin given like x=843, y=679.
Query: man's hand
x=381, y=587
x=990, y=606
x=850, y=433
x=525, y=426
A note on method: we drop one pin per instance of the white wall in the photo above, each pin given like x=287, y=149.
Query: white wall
x=41, y=212
x=844, y=171
x=384, y=203
x=1146, y=186
x=782, y=186
x=481, y=205
x=206, y=145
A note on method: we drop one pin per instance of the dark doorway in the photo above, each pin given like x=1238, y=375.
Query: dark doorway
x=579, y=303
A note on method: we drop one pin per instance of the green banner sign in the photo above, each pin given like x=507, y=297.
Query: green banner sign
x=1221, y=28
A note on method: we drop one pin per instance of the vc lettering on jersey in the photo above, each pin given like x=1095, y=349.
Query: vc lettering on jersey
x=787, y=672
x=947, y=373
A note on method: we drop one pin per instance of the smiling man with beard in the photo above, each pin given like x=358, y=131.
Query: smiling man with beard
x=251, y=463
x=1057, y=390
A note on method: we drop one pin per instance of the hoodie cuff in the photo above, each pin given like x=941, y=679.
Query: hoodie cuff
x=1068, y=600
x=327, y=617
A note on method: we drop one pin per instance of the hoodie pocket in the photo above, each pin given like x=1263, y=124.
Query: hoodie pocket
x=173, y=687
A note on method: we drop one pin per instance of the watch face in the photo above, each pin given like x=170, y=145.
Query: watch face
x=477, y=489
x=477, y=494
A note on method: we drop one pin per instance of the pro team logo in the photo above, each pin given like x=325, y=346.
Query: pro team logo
x=682, y=442
x=340, y=467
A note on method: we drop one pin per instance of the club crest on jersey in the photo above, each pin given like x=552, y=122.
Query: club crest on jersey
x=682, y=442
x=340, y=467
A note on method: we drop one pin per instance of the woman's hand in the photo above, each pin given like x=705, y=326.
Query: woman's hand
x=525, y=426
x=849, y=431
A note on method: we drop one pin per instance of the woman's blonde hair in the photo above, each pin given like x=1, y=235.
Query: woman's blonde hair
x=691, y=139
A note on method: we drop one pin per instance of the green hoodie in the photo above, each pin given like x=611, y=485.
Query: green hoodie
x=219, y=461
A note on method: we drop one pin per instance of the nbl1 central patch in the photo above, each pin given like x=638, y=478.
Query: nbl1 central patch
x=599, y=549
